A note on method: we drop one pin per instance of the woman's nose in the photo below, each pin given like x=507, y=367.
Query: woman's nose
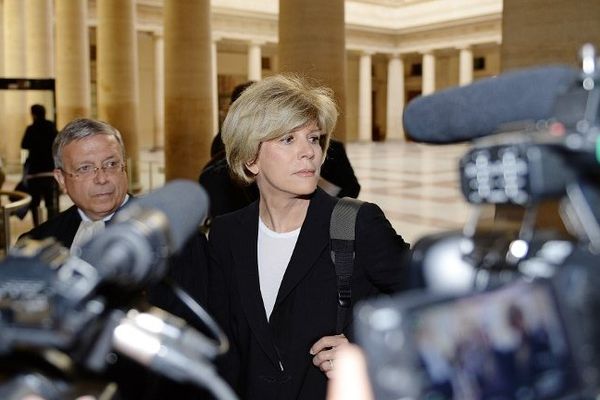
x=307, y=149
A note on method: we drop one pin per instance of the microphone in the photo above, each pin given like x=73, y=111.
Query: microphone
x=134, y=249
x=476, y=110
x=165, y=344
x=145, y=337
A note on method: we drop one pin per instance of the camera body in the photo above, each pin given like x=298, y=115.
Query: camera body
x=527, y=339
x=505, y=315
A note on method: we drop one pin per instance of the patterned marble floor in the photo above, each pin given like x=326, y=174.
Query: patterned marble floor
x=416, y=185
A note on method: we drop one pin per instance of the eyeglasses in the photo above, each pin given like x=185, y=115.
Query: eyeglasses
x=88, y=171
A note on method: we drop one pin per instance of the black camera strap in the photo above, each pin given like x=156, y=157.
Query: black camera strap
x=341, y=231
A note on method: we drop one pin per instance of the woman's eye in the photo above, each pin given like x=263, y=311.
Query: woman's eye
x=287, y=139
x=314, y=139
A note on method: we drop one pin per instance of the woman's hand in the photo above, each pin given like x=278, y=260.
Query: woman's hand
x=324, y=352
x=351, y=380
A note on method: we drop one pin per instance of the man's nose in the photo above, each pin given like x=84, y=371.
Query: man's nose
x=100, y=174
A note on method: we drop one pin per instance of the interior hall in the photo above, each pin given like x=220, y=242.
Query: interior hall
x=162, y=72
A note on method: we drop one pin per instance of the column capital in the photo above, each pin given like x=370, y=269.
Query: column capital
x=256, y=42
x=427, y=52
x=366, y=52
x=395, y=55
x=465, y=47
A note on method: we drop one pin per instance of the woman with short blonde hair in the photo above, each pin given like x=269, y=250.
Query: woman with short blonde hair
x=272, y=283
x=286, y=102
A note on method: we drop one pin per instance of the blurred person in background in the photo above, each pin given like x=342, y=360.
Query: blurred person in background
x=37, y=170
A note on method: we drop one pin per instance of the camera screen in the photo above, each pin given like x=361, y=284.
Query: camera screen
x=503, y=344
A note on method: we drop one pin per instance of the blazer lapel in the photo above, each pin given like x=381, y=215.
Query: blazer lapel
x=66, y=233
x=313, y=238
x=246, y=272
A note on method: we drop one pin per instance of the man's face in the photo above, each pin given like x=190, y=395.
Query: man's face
x=102, y=190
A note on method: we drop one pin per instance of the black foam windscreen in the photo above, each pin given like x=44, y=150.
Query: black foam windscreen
x=133, y=251
x=183, y=202
x=479, y=109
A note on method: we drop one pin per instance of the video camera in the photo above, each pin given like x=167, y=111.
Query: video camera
x=64, y=318
x=504, y=315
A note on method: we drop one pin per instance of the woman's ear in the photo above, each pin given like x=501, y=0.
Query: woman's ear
x=252, y=166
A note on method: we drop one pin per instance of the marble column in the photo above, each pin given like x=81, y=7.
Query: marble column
x=428, y=76
x=73, y=87
x=188, y=87
x=40, y=50
x=465, y=66
x=2, y=95
x=215, y=85
x=159, y=91
x=16, y=114
x=312, y=42
x=2, y=37
x=395, y=97
x=365, y=107
x=254, y=62
x=117, y=75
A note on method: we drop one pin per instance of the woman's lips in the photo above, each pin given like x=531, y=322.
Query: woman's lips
x=306, y=172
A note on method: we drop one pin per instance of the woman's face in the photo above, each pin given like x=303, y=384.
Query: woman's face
x=291, y=164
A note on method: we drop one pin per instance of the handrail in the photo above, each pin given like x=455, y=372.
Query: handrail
x=9, y=208
x=24, y=200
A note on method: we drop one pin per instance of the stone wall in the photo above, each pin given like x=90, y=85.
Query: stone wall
x=547, y=31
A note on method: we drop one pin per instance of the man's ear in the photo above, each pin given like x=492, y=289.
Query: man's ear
x=60, y=178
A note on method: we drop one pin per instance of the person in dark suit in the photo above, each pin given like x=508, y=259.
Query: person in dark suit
x=217, y=149
x=89, y=156
x=37, y=171
x=227, y=194
x=272, y=283
x=89, y=159
x=337, y=175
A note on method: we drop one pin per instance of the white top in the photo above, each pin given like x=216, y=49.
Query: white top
x=88, y=229
x=274, y=254
x=85, y=232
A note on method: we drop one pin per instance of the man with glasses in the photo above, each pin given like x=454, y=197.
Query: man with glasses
x=89, y=158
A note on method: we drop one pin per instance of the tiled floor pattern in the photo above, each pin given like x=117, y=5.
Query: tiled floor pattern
x=416, y=185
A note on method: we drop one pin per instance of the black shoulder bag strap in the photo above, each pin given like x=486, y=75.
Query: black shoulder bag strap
x=341, y=231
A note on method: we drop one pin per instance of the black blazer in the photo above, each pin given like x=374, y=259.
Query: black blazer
x=270, y=359
x=63, y=227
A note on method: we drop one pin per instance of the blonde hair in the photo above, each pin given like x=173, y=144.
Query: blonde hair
x=268, y=110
